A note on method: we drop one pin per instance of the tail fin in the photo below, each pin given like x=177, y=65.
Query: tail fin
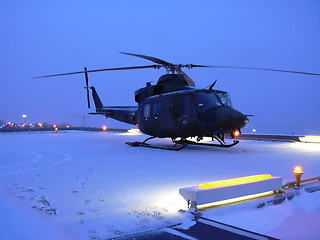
x=97, y=100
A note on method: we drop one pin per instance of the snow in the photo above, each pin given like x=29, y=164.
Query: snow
x=91, y=184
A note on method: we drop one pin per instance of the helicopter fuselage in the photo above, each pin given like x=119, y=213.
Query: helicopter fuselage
x=188, y=113
x=173, y=109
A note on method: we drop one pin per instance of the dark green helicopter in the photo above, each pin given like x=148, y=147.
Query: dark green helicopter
x=174, y=108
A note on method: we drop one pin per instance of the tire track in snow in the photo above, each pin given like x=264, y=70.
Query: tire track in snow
x=29, y=161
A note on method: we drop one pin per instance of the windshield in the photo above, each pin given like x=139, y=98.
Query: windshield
x=206, y=100
x=224, y=97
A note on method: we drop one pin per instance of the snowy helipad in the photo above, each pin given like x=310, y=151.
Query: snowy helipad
x=91, y=185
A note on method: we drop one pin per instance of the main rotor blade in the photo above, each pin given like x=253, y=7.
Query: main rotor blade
x=101, y=70
x=153, y=59
x=263, y=69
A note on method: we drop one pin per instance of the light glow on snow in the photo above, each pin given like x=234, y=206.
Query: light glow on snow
x=310, y=147
x=235, y=181
x=133, y=131
x=310, y=139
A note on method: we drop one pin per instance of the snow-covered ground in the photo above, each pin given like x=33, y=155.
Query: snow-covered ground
x=91, y=185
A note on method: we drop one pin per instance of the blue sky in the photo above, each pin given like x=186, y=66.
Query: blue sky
x=47, y=37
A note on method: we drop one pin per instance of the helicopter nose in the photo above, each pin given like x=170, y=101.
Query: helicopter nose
x=231, y=119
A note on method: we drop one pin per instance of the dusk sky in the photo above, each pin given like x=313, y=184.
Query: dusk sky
x=48, y=37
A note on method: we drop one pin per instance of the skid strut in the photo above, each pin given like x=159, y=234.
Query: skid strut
x=221, y=144
x=180, y=144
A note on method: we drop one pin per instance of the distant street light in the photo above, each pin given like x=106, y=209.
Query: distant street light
x=25, y=119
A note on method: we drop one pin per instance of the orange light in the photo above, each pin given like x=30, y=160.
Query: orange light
x=236, y=133
x=104, y=128
x=298, y=173
x=298, y=170
x=235, y=181
x=56, y=129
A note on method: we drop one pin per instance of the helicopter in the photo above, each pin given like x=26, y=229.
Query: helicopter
x=174, y=108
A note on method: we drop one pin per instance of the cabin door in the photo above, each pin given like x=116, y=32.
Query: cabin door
x=186, y=115
x=156, y=118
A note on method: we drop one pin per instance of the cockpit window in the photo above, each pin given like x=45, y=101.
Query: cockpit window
x=224, y=97
x=206, y=100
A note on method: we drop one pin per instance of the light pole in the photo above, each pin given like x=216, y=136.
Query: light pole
x=25, y=119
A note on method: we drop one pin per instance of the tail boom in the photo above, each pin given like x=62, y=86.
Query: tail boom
x=126, y=114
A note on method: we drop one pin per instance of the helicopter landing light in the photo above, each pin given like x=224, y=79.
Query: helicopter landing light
x=236, y=133
x=310, y=139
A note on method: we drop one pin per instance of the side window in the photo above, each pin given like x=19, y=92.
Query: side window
x=157, y=107
x=146, y=110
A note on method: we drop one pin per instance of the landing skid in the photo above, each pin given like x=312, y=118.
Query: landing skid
x=180, y=144
x=176, y=147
